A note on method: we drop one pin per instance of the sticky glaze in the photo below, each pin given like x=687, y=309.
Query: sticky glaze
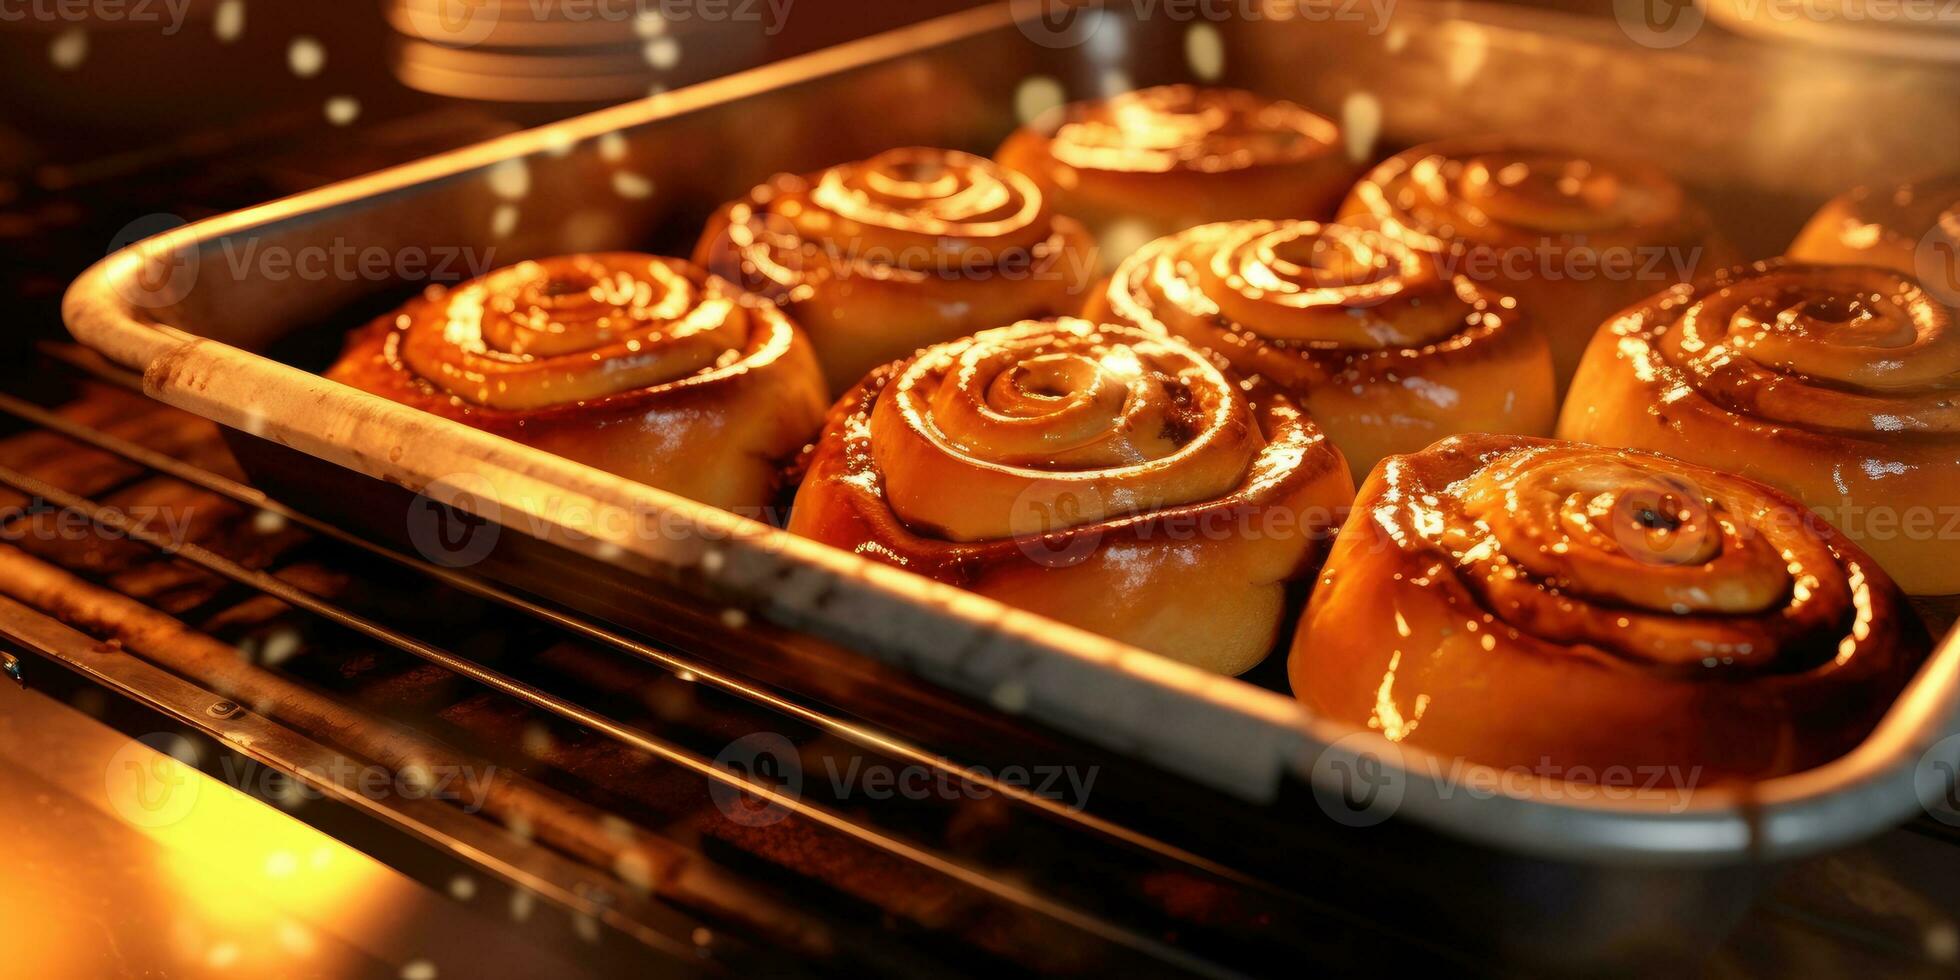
x=1388, y=350
x=1099, y=474
x=1839, y=384
x=645, y=366
x=914, y=246
x=1912, y=228
x=1574, y=237
x=1556, y=606
x=1178, y=155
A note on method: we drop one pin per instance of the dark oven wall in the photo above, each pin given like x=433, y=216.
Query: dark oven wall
x=117, y=122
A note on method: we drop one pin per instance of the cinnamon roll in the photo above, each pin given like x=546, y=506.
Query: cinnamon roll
x=1163, y=159
x=912, y=247
x=1388, y=351
x=643, y=366
x=1912, y=228
x=1567, y=609
x=1838, y=384
x=1575, y=237
x=1100, y=475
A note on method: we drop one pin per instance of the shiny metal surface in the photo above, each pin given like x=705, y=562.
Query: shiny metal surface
x=115, y=522
x=245, y=704
x=1844, y=915
x=951, y=82
x=123, y=861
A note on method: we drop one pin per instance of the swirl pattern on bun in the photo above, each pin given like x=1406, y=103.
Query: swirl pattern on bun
x=643, y=366
x=1838, y=384
x=1387, y=350
x=1525, y=603
x=1174, y=156
x=878, y=258
x=1574, y=237
x=1100, y=475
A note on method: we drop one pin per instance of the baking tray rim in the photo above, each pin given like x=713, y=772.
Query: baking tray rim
x=1860, y=793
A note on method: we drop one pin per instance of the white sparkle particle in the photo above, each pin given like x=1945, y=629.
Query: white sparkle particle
x=228, y=23
x=510, y=180
x=68, y=49
x=343, y=109
x=503, y=221
x=1204, y=51
x=632, y=186
x=1035, y=95
x=662, y=53
x=1361, y=122
x=306, y=57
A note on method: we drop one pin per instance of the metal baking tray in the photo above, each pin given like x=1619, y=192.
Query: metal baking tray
x=215, y=330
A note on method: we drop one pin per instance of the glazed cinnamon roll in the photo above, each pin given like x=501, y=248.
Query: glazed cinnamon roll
x=912, y=247
x=1163, y=159
x=1100, y=475
x=1912, y=228
x=1575, y=237
x=644, y=366
x=1565, y=609
x=1388, y=351
x=1838, y=384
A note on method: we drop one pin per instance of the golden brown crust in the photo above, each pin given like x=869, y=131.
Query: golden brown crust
x=1101, y=476
x=1912, y=228
x=878, y=258
x=1387, y=351
x=1837, y=384
x=643, y=366
x=1564, y=609
x=1574, y=237
x=1164, y=159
